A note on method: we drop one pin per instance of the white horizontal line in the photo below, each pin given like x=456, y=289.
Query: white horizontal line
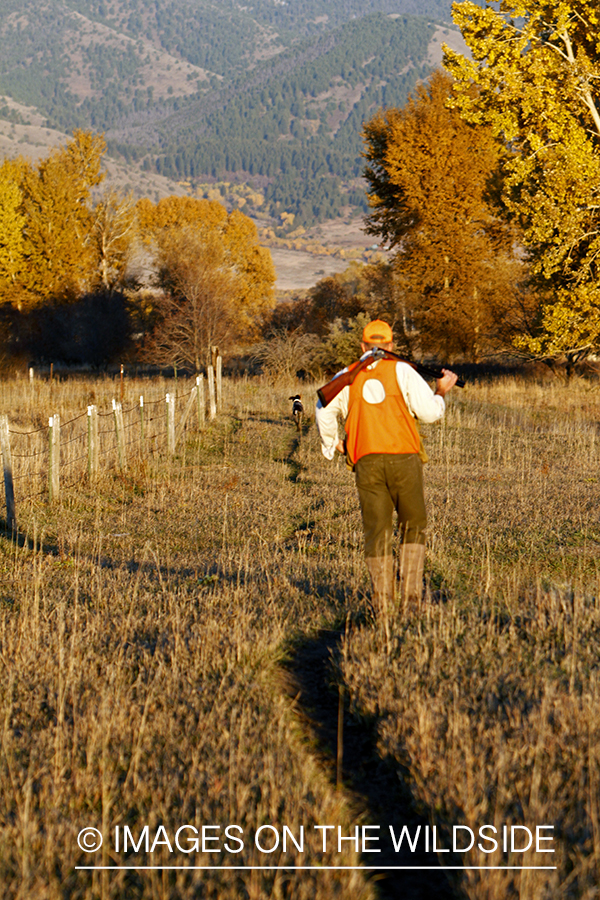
x=316, y=868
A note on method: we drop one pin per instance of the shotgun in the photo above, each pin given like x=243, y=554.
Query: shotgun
x=337, y=384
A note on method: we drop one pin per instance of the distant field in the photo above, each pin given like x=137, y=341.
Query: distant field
x=145, y=623
x=296, y=270
x=299, y=270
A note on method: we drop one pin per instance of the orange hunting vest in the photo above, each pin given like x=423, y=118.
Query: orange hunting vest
x=378, y=418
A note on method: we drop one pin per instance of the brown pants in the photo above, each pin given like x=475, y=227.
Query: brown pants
x=388, y=482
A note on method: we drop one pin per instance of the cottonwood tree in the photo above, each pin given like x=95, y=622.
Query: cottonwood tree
x=198, y=308
x=11, y=225
x=536, y=67
x=234, y=232
x=112, y=234
x=58, y=256
x=430, y=176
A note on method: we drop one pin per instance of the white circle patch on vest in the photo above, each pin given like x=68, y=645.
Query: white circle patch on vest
x=373, y=391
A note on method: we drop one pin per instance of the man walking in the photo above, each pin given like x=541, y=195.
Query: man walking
x=380, y=409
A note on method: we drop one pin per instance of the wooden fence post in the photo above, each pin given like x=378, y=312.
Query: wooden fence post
x=9, y=489
x=170, y=424
x=220, y=383
x=201, y=400
x=120, y=433
x=142, y=435
x=212, y=403
x=93, y=450
x=54, y=458
x=188, y=408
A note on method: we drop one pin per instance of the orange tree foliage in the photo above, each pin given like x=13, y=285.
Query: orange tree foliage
x=57, y=254
x=197, y=309
x=11, y=225
x=249, y=264
x=55, y=245
x=430, y=176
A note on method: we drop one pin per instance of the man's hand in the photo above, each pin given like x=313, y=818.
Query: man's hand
x=443, y=385
x=340, y=447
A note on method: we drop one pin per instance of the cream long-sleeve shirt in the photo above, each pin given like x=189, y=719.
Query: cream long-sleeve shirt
x=421, y=401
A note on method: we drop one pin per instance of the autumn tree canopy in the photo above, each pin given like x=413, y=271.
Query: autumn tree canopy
x=58, y=257
x=54, y=244
x=197, y=310
x=218, y=281
x=536, y=67
x=12, y=221
x=430, y=175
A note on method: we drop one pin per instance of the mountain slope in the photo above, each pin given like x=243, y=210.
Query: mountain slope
x=274, y=93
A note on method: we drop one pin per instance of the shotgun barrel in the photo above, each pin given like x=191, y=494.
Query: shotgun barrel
x=330, y=390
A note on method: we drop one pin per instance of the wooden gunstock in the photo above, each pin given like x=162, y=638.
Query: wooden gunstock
x=337, y=384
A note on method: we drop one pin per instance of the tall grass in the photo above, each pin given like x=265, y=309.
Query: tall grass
x=488, y=692
x=143, y=620
x=141, y=624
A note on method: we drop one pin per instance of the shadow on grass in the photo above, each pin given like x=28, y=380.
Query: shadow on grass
x=377, y=789
x=15, y=536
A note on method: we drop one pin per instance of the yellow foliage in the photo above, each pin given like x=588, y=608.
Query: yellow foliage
x=536, y=67
x=11, y=224
x=58, y=254
x=569, y=326
x=238, y=236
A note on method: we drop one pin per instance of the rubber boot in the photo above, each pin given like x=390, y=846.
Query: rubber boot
x=381, y=570
x=412, y=561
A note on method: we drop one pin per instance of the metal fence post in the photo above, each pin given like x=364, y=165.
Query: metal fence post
x=142, y=435
x=170, y=400
x=120, y=433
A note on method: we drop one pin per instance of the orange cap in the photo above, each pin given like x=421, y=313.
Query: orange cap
x=377, y=332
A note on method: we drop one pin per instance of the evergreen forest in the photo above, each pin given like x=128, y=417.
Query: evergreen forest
x=274, y=95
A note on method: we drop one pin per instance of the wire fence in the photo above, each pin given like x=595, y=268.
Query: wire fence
x=41, y=462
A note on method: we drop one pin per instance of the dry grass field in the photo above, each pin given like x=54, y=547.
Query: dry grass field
x=150, y=625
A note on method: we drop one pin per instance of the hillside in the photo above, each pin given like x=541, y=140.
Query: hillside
x=273, y=95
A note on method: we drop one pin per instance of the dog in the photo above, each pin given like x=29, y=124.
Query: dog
x=297, y=410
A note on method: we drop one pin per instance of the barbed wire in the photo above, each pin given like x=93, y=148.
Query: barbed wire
x=152, y=440
x=71, y=462
x=77, y=437
x=33, y=496
x=28, y=475
x=25, y=433
x=41, y=452
x=80, y=416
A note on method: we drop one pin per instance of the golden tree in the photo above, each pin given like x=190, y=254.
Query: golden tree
x=198, y=308
x=11, y=225
x=536, y=66
x=173, y=225
x=430, y=176
x=58, y=254
x=112, y=235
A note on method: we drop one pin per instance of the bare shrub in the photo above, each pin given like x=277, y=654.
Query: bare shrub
x=286, y=354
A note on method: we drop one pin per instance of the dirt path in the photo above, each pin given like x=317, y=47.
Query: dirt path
x=374, y=787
